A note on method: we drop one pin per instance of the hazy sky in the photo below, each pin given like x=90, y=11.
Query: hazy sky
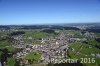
x=48, y=11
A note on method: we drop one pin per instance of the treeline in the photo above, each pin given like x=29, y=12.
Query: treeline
x=95, y=30
x=4, y=27
x=48, y=31
x=97, y=39
x=16, y=33
x=39, y=27
x=98, y=45
x=34, y=27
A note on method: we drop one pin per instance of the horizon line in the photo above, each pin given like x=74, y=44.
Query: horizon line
x=54, y=23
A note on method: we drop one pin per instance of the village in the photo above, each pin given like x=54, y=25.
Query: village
x=52, y=50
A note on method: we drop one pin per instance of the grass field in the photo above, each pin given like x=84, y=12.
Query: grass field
x=36, y=34
x=76, y=45
x=33, y=56
x=90, y=50
x=11, y=62
x=75, y=33
x=8, y=45
x=85, y=52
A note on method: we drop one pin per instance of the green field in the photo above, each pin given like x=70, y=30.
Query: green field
x=75, y=33
x=11, y=62
x=76, y=45
x=33, y=57
x=8, y=45
x=85, y=52
x=36, y=34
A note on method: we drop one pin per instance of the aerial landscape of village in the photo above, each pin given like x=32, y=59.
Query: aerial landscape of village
x=49, y=32
x=48, y=45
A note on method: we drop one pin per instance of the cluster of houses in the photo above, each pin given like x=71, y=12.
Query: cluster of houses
x=89, y=34
x=51, y=49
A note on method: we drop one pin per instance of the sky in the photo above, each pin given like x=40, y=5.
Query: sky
x=49, y=11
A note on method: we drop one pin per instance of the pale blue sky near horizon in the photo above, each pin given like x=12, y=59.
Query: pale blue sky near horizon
x=49, y=11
